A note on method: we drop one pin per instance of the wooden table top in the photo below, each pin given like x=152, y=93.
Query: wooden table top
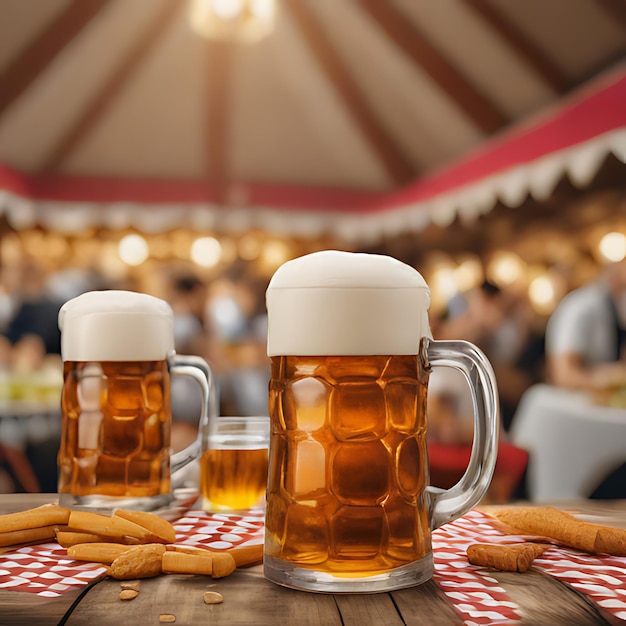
x=250, y=599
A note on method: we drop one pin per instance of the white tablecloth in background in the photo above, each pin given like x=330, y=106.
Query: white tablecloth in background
x=573, y=443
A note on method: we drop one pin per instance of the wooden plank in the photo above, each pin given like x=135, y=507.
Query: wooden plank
x=397, y=164
x=36, y=57
x=20, y=608
x=545, y=601
x=425, y=605
x=616, y=9
x=109, y=90
x=425, y=55
x=524, y=48
x=377, y=608
x=248, y=599
x=13, y=502
x=268, y=603
x=219, y=56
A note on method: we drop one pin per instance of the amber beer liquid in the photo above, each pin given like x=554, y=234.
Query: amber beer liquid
x=348, y=463
x=233, y=479
x=349, y=508
x=116, y=429
x=118, y=359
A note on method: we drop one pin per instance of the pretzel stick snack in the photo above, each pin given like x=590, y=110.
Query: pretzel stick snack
x=215, y=564
x=67, y=538
x=248, y=555
x=161, y=529
x=566, y=529
x=46, y=515
x=113, y=526
x=509, y=558
x=28, y=535
x=223, y=565
x=97, y=552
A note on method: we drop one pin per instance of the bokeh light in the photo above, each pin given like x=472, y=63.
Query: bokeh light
x=206, y=251
x=133, y=249
x=506, y=268
x=542, y=294
x=613, y=247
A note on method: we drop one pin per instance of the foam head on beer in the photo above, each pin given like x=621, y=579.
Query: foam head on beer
x=346, y=303
x=116, y=326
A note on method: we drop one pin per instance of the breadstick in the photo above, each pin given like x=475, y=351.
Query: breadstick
x=174, y=562
x=215, y=564
x=45, y=515
x=566, y=529
x=160, y=528
x=185, y=549
x=107, y=526
x=97, y=552
x=509, y=558
x=248, y=555
x=67, y=538
x=27, y=535
x=17, y=546
x=223, y=565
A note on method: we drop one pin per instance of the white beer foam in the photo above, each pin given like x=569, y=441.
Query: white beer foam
x=116, y=326
x=345, y=303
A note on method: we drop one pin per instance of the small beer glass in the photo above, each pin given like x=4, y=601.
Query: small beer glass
x=233, y=465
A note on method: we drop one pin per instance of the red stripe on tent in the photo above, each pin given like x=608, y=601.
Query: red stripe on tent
x=597, y=109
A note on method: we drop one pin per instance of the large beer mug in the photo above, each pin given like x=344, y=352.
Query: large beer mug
x=118, y=357
x=349, y=507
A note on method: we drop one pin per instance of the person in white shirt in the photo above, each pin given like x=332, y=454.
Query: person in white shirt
x=585, y=334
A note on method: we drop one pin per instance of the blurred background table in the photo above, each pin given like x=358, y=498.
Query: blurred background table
x=574, y=442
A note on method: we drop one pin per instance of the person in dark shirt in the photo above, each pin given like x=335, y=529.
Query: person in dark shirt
x=39, y=318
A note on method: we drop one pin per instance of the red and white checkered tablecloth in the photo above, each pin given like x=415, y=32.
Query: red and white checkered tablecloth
x=480, y=599
x=46, y=570
x=475, y=594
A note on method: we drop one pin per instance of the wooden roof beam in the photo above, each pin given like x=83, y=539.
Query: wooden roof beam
x=112, y=86
x=407, y=37
x=25, y=69
x=219, y=66
x=616, y=9
x=523, y=47
x=397, y=164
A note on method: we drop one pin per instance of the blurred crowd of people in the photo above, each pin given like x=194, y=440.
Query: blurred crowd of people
x=224, y=320
x=582, y=347
x=503, y=325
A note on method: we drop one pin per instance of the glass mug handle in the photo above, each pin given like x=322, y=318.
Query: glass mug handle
x=449, y=504
x=197, y=368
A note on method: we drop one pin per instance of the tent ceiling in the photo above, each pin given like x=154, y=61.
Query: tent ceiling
x=347, y=100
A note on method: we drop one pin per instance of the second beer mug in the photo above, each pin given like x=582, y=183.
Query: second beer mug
x=349, y=507
x=118, y=356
